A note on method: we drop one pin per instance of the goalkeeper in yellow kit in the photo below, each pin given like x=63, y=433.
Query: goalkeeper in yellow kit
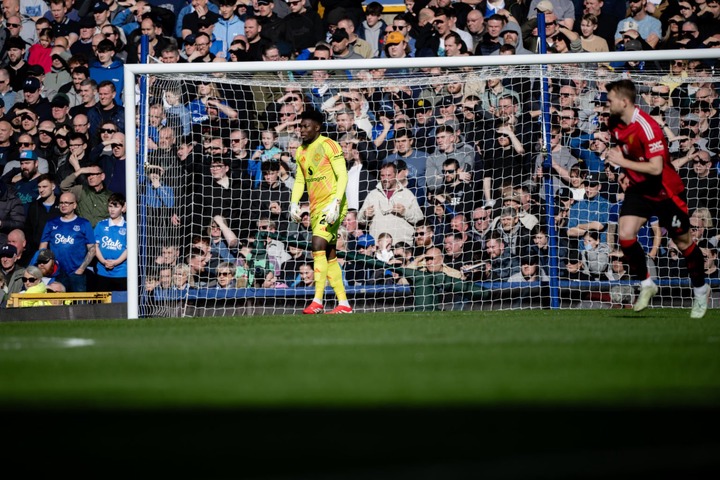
x=321, y=166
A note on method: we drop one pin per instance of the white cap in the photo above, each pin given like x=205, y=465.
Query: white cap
x=545, y=6
x=629, y=25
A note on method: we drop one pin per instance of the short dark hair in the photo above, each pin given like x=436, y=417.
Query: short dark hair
x=374, y=8
x=314, y=115
x=106, y=46
x=46, y=176
x=404, y=132
x=117, y=199
x=107, y=83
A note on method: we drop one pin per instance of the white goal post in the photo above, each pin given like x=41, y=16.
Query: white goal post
x=534, y=67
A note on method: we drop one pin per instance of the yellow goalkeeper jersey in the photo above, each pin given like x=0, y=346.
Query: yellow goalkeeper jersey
x=321, y=166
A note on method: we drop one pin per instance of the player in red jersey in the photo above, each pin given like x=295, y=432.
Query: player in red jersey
x=655, y=189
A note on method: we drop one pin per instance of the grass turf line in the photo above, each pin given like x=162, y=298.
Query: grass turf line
x=571, y=357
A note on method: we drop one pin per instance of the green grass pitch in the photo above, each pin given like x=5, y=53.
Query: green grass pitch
x=572, y=357
x=511, y=395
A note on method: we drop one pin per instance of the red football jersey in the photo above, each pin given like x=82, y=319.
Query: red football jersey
x=641, y=140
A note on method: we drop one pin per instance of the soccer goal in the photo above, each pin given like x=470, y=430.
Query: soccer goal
x=503, y=155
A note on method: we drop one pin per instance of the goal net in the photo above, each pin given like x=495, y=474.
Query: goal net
x=497, y=164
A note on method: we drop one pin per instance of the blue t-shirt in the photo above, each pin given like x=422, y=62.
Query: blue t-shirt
x=590, y=210
x=112, y=242
x=68, y=241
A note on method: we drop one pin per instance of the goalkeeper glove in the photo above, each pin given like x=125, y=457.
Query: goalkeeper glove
x=332, y=211
x=295, y=213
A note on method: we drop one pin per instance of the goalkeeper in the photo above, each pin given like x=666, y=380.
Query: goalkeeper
x=321, y=166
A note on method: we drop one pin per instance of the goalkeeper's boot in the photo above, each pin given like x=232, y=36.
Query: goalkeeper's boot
x=700, y=305
x=313, y=309
x=646, y=294
x=340, y=309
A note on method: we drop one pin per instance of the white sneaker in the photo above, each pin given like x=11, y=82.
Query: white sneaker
x=700, y=305
x=646, y=294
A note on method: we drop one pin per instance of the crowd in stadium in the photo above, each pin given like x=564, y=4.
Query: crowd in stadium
x=442, y=178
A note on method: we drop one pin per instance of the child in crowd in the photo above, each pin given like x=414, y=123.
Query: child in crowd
x=111, y=247
x=384, y=247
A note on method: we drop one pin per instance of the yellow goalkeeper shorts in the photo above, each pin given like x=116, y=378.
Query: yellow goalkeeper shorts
x=321, y=229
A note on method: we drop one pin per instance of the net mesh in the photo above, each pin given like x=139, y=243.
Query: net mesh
x=471, y=160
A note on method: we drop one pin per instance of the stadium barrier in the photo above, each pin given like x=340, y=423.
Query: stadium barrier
x=54, y=299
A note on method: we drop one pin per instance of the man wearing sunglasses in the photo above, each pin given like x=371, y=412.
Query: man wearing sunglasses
x=19, y=24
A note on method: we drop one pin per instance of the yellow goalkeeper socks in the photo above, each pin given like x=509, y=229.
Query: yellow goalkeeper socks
x=334, y=275
x=320, y=265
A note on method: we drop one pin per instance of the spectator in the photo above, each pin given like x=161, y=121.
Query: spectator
x=86, y=30
x=373, y=27
x=87, y=94
x=350, y=223
x=17, y=66
x=169, y=255
x=200, y=275
x=203, y=42
x=72, y=241
x=25, y=178
x=81, y=124
x=34, y=103
x=256, y=42
x=12, y=212
x=272, y=198
x=108, y=69
x=358, y=45
x=592, y=213
x=7, y=94
x=562, y=160
x=107, y=109
x=8, y=148
x=41, y=210
x=530, y=271
x=595, y=255
x=54, y=276
x=341, y=47
x=201, y=10
x=404, y=149
x=457, y=251
x=390, y=208
x=113, y=165
x=702, y=184
x=91, y=195
x=182, y=279
x=639, y=22
x=228, y=26
x=209, y=97
x=225, y=275
x=573, y=268
x=218, y=194
x=32, y=283
x=423, y=239
x=711, y=267
x=18, y=20
x=514, y=229
x=11, y=269
x=111, y=247
x=447, y=147
x=359, y=177
x=499, y=262
x=456, y=192
x=301, y=28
